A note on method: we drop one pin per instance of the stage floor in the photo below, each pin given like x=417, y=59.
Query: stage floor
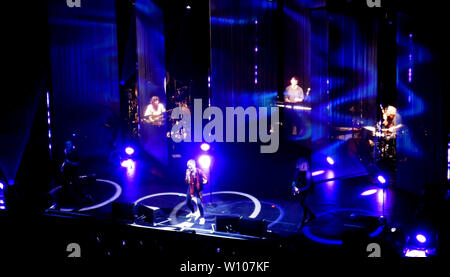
x=339, y=204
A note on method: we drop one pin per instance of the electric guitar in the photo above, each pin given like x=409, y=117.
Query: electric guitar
x=296, y=190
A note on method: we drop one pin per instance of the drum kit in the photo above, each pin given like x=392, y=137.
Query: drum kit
x=386, y=140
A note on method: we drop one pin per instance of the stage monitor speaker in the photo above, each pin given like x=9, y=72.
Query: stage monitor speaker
x=227, y=223
x=123, y=211
x=147, y=212
x=252, y=227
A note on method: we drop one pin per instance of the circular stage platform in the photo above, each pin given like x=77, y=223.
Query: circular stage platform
x=329, y=227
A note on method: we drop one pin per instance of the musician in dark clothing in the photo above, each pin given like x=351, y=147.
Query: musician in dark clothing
x=69, y=168
x=300, y=187
x=195, y=178
x=71, y=186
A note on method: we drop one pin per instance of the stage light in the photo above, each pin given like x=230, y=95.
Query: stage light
x=369, y=192
x=330, y=160
x=129, y=163
x=315, y=173
x=188, y=7
x=415, y=253
x=393, y=229
x=205, y=147
x=381, y=179
x=2, y=186
x=421, y=238
x=204, y=161
x=129, y=150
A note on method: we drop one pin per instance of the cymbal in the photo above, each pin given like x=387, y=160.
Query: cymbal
x=370, y=128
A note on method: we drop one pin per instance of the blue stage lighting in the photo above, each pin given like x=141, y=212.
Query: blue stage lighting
x=414, y=253
x=318, y=172
x=204, y=161
x=2, y=186
x=205, y=146
x=381, y=179
x=330, y=160
x=421, y=238
x=369, y=192
x=129, y=150
x=129, y=163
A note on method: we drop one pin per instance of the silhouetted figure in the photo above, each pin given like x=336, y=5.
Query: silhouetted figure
x=301, y=186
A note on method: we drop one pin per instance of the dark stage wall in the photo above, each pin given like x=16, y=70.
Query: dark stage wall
x=27, y=72
x=421, y=103
x=85, y=78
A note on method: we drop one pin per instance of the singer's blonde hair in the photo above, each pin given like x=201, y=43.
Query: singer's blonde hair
x=191, y=162
x=390, y=110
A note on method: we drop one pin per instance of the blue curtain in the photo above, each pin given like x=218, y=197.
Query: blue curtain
x=84, y=68
x=344, y=84
x=151, y=72
x=421, y=146
x=244, y=52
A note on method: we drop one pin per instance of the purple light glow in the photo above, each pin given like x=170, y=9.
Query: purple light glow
x=415, y=253
x=318, y=172
x=256, y=49
x=330, y=160
x=381, y=179
x=48, y=123
x=129, y=150
x=369, y=192
x=129, y=163
x=205, y=147
x=204, y=161
x=421, y=238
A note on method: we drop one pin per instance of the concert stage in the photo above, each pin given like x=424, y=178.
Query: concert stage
x=181, y=130
x=342, y=205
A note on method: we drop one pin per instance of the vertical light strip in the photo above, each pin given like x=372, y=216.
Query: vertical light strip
x=256, y=51
x=448, y=161
x=410, y=58
x=49, y=124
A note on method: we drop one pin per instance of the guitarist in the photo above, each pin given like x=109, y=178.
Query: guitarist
x=300, y=187
x=155, y=111
x=71, y=186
